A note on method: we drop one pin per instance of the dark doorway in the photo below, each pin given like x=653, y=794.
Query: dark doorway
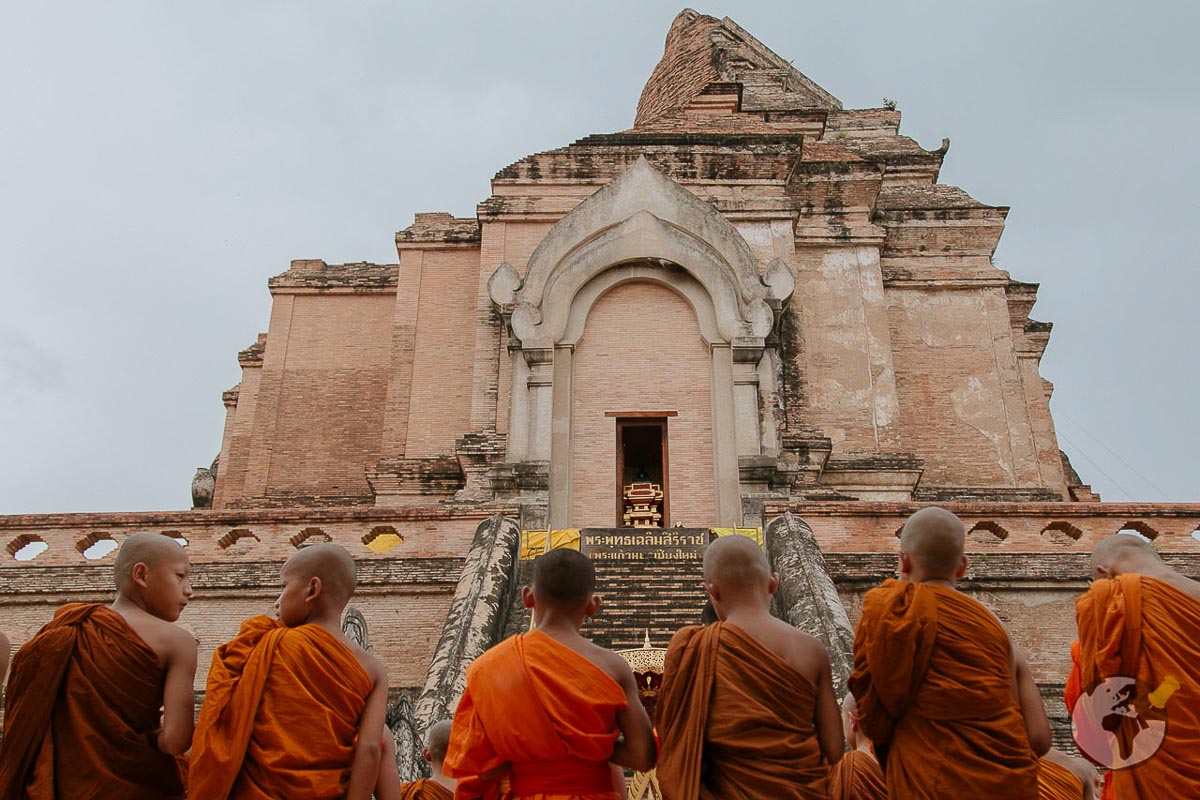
x=642, y=458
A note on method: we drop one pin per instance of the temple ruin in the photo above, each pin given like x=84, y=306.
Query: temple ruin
x=755, y=312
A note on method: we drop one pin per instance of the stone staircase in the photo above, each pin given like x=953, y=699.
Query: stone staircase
x=660, y=596
x=658, y=590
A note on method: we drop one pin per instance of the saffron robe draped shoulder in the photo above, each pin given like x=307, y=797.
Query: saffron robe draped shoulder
x=280, y=716
x=735, y=721
x=425, y=789
x=1056, y=782
x=934, y=684
x=539, y=720
x=1143, y=628
x=83, y=711
x=857, y=777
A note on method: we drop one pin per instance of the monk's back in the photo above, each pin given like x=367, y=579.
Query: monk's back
x=744, y=712
x=159, y=636
x=86, y=685
x=280, y=715
x=541, y=711
x=604, y=660
x=934, y=684
x=797, y=649
x=1146, y=628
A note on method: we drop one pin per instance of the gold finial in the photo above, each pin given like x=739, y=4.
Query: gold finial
x=646, y=643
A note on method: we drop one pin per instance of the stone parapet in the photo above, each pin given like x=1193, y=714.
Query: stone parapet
x=226, y=536
x=315, y=274
x=1023, y=527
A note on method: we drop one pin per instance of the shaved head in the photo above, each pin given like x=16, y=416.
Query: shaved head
x=329, y=562
x=849, y=707
x=563, y=578
x=1123, y=553
x=934, y=538
x=850, y=722
x=151, y=549
x=437, y=739
x=735, y=564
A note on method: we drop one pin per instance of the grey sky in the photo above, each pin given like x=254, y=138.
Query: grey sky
x=159, y=161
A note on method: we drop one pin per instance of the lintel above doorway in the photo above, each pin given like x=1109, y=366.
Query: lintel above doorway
x=641, y=414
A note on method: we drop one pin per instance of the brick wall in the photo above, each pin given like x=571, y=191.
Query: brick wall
x=963, y=407
x=316, y=426
x=641, y=351
x=440, y=405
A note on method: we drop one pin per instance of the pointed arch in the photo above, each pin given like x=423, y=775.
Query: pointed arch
x=642, y=215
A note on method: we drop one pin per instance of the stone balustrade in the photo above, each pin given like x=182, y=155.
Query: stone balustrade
x=57, y=540
x=862, y=527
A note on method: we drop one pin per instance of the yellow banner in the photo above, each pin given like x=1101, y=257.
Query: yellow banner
x=533, y=543
x=750, y=533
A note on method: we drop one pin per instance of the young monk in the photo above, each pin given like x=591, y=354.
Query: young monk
x=941, y=691
x=294, y=708
x=746, y=710
x=547, y=711
x=857, y=776
x=437, y=787
x=1141, y=620
x=100, y=699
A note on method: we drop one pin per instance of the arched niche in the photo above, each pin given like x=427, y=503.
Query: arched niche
x=641, y=226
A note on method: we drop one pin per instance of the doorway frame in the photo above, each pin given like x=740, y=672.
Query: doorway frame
x=643, y=420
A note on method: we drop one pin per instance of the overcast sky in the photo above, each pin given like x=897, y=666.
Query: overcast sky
x=159, y=161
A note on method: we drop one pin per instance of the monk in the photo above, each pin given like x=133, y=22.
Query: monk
x=100, y=699
x=437, y=787
x=746, y=709
x=1141, y=619
x=294, y=708
x=944, y=696
x=857, y=776
x=1064, y=777
x=547, y=711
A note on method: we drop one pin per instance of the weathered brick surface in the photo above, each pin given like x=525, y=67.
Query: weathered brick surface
x=641, y=351
x=440, y=405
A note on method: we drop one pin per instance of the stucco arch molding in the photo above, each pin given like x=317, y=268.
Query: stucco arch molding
x=642, y=216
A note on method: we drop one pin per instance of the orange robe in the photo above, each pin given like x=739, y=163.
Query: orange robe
x=934, y=684
x=539, y=716
x=84, y=707
x=1056, y=782
x=280, y=715
x=425, y=789
x=857, y=777
x=735, y=721
x=1071, y=692
x=1143, y=628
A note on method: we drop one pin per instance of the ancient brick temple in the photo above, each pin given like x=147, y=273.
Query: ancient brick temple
x=758, y=304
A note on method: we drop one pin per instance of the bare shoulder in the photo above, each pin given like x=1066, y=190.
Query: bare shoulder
x=608, y=661
x=811, y=651
x=1186, y=585
x=168, y=640
x=370, y=664
x=801, y=650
